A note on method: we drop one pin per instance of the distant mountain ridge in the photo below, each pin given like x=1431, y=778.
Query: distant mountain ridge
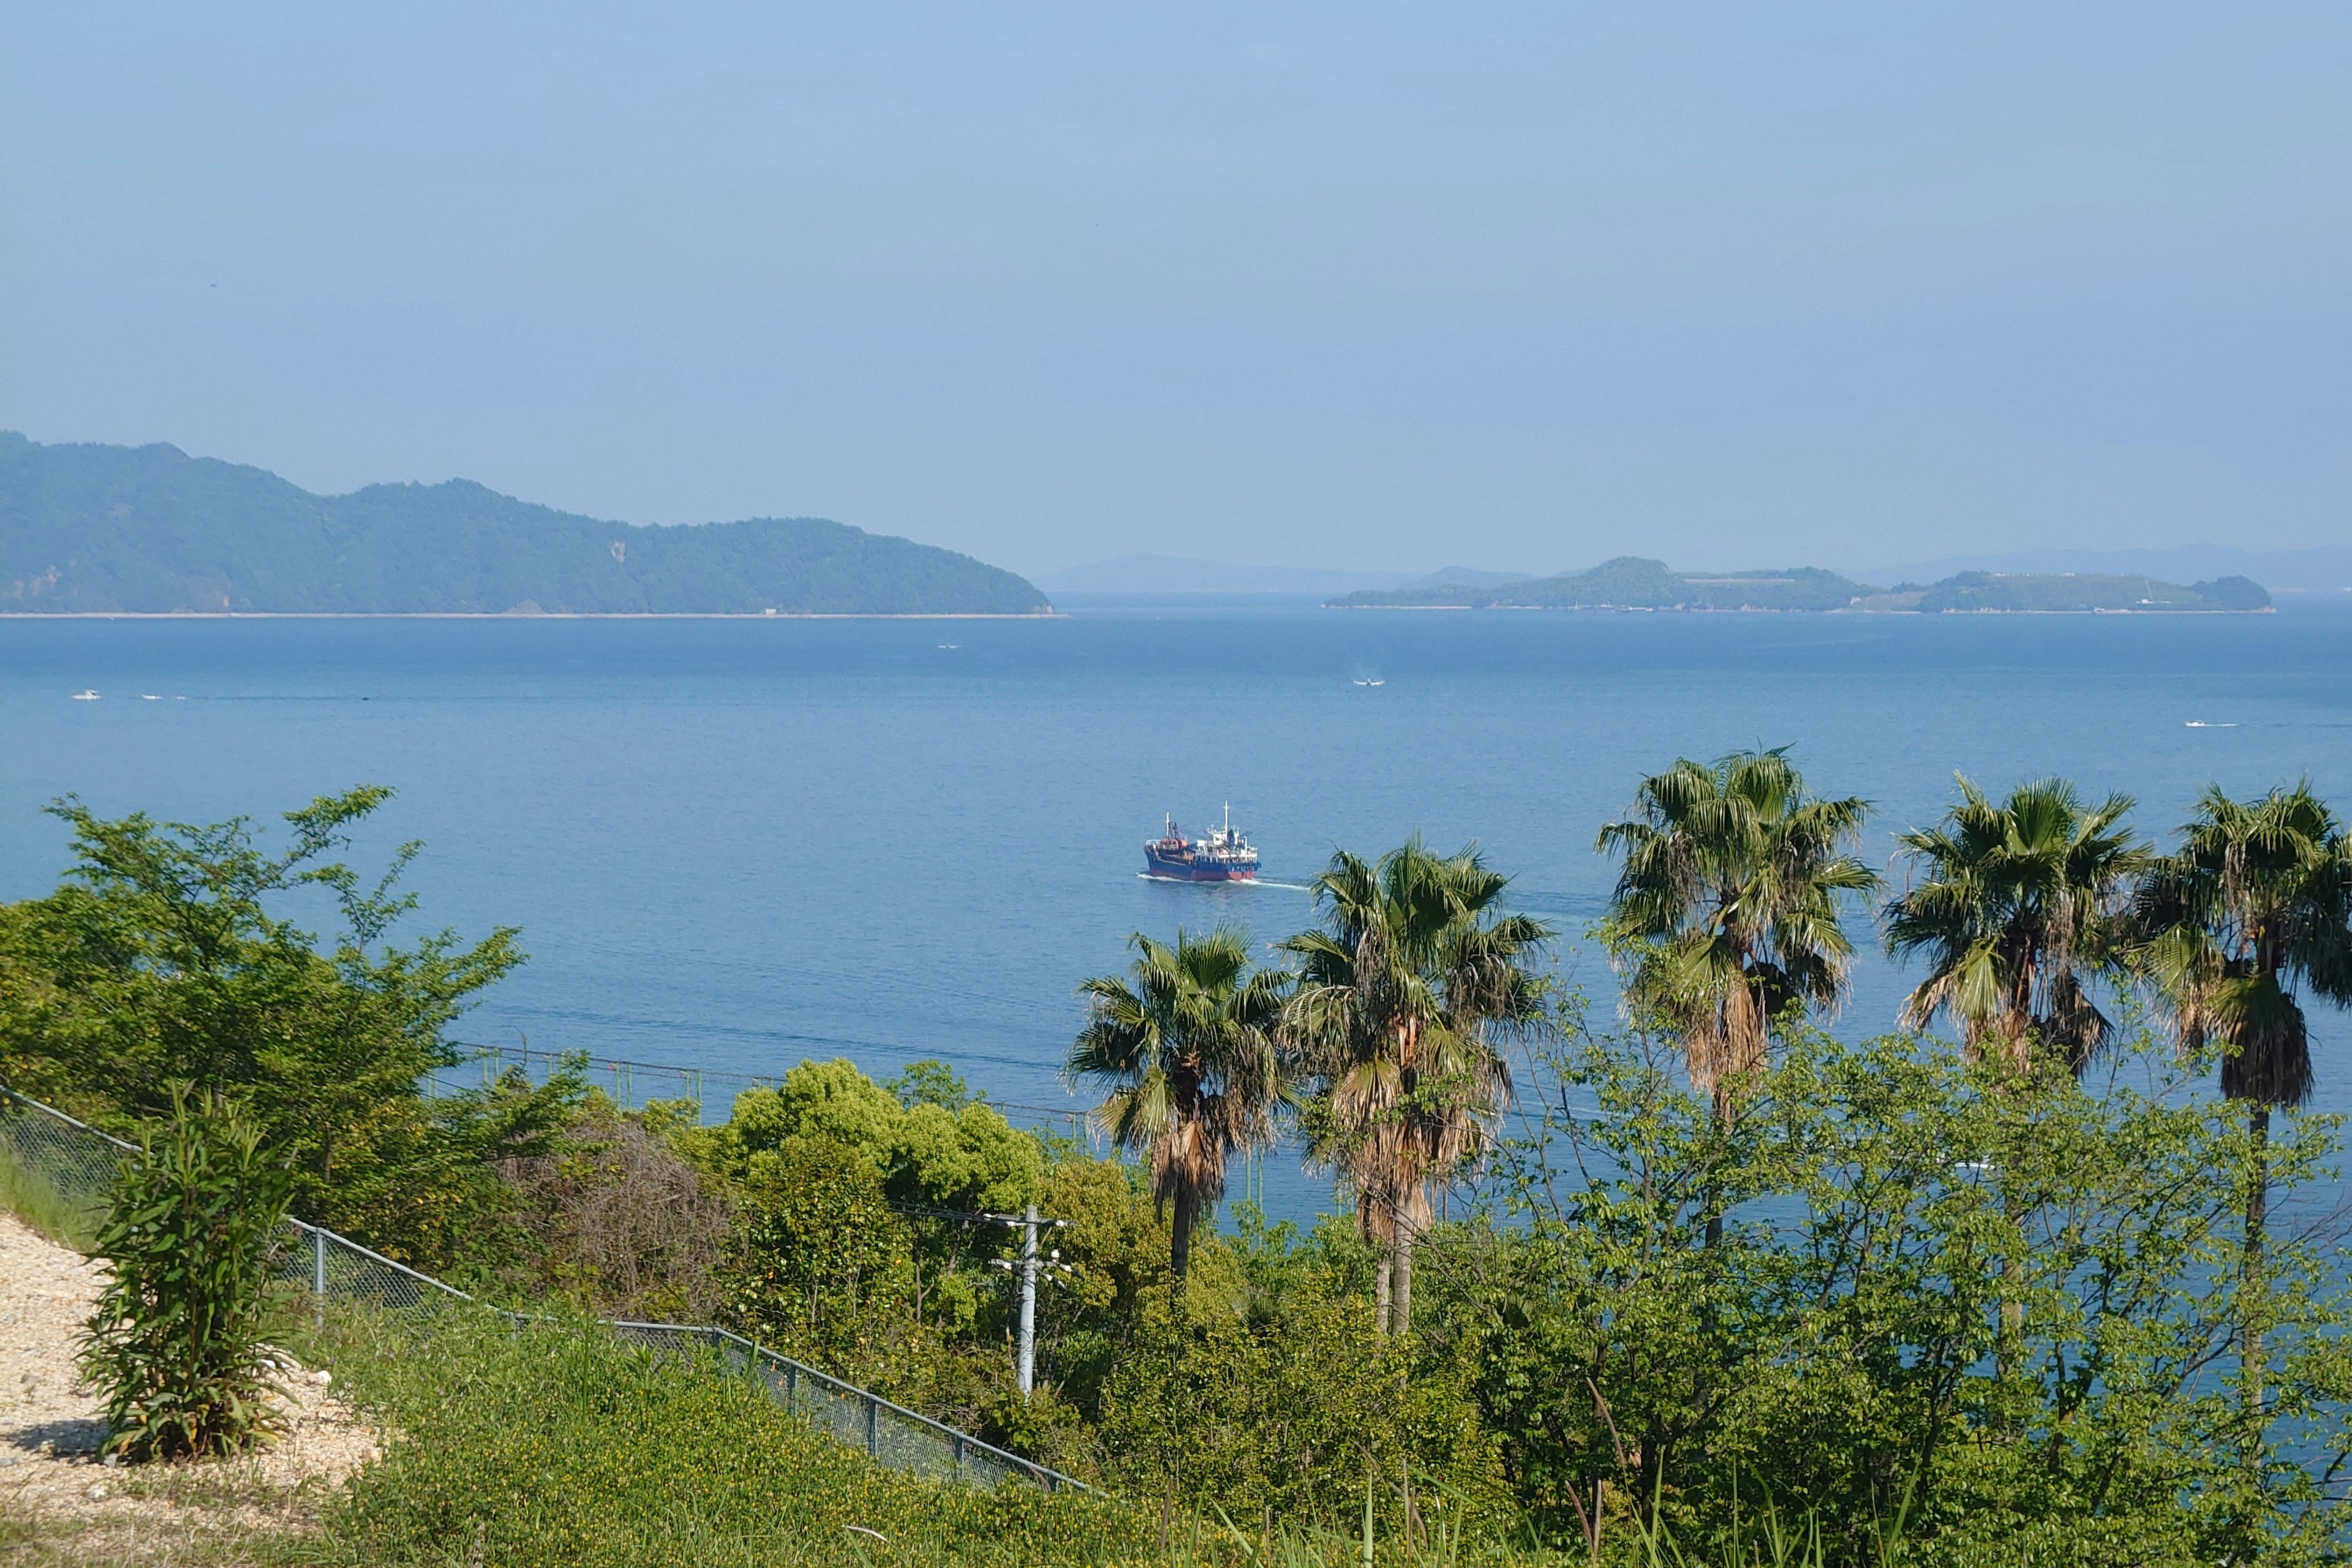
x=100, y=529
x=1637, y=583
x=1145, y=575
x=2317, y=569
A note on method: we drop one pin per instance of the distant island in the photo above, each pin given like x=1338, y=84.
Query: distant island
x=1634, y=583
x=99, y=529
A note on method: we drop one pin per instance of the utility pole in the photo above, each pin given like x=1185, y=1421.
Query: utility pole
x=1028, y=1362
x=1029, y=1267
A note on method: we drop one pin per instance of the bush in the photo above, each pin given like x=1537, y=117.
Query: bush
x=620, y=1223
x=189, y=1236
x=1287, y=1414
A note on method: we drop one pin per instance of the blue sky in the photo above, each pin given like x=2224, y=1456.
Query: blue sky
x=1364, y=286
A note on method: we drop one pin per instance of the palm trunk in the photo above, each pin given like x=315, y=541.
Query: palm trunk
x=1180, y=1252
x=1400, y=1307
x=2257, y=1305
x=1381, y=1278
x=1721, y=1105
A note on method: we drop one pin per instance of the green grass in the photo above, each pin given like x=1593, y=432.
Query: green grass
x=557, y=1444
x=31, y=1198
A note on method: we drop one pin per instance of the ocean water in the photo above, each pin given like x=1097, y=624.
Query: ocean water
x=738, y=844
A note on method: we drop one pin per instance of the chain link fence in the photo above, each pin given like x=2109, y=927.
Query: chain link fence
x=710, y=1090
x=79, y=1162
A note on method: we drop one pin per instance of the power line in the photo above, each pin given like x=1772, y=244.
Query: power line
x=625, y=1070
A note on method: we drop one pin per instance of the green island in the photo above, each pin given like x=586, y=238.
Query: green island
x=101, y=529
x=1675, y=1276
x=1634, y=583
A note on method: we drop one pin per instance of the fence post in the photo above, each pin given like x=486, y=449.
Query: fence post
x=319, y=1272
x=873, y=1428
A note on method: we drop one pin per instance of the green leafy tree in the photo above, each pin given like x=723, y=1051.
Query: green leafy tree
x=2255, y=904
x=1727, y=906
x=821, y=1266
x=2014, y=906
x=1402, y=995
x=160, y=960
x=1188, y=1051
x=931, y=1082
x=939, y=1170
x=1835, y=1353
x=176, y=1343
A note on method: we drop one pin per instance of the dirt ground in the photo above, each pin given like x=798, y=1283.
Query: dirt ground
x=54, y=1493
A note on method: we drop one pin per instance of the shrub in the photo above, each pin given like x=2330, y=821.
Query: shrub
x=619, y=1222
x=176, y=1341
x=1287, y=1414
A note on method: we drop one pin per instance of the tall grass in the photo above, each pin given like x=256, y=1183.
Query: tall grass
x=555, y=1445
x=33, y=1198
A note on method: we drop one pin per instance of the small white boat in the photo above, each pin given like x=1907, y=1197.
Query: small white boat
x=150, y=697
x=85, y=696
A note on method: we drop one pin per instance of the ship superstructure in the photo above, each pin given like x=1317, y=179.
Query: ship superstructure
x=1225, y=856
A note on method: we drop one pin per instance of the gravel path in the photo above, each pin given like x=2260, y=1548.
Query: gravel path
x=50, y=1427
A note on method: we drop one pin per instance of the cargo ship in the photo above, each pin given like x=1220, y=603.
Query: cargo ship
x=1225, y=856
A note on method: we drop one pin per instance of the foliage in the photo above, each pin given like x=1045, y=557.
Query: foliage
x=1832, y=1350
x=2016, y=911
x=1188, y=1051
x=159, y=960
x=67, y=1218
x=190, y=1232
x=552, y=1445
x=1727, y=906
x=928, y=1152
x=931, y=1082
x=616, y=1220
x=2257, y=900
x=821, y=1267
x=1291, y=1412
x=1399, y=996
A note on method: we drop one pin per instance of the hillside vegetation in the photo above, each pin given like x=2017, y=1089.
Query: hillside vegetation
x=1635, y=583
x=97, y=529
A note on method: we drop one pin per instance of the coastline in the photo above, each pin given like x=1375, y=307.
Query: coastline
x=1773, y=610
x=533, y=616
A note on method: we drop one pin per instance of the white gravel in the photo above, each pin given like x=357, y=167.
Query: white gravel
x=50, y=1427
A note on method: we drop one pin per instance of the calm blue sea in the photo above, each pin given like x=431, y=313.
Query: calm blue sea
x=737, y=844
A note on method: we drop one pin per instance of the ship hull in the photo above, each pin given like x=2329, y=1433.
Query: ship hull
x=1191, y=870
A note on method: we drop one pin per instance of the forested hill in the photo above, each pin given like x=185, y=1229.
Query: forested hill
x=1633, y=582
x=149, y=529
x=1630, y=582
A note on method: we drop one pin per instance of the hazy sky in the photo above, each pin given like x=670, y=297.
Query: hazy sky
x=1361, y=285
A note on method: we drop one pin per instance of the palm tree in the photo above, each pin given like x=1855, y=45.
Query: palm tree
x=2256, y=901
x=1402, y=995
x=2014, y=905
x=1189, y=1051
x=1726, y=907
